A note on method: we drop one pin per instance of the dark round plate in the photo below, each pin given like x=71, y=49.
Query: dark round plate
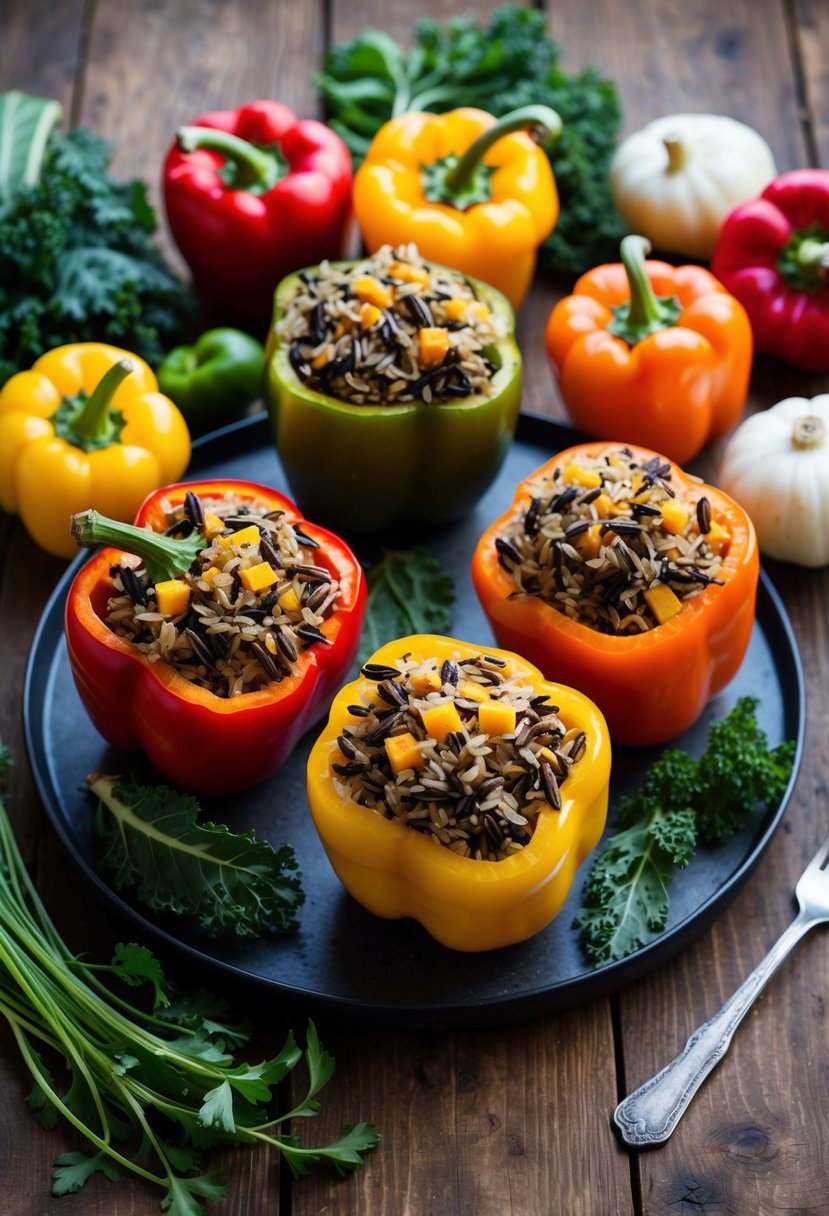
x=343, y=960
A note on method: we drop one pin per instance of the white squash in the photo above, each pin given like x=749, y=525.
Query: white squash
x=677, y=179
x=776, y=466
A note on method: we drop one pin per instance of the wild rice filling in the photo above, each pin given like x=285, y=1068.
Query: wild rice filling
x=389, y=330
x=465, y=752
x=613, y=544
x=255, y=598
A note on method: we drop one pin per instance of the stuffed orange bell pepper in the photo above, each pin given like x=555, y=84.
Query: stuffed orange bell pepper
x=472, y=192
x=454, y=785
x=652, y=354
x=616, y=572
x=86, y=426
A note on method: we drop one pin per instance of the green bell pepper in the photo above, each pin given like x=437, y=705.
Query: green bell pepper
x=214, y=380
x=368, y=466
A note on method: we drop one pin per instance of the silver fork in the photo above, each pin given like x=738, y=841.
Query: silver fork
x=649, y=1115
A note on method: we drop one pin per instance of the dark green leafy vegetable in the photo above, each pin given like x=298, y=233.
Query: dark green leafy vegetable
x=681, y=803
x=408, y=592
x=148, y=1091
x=502, y=66
x=76, y=258
x=154, y=842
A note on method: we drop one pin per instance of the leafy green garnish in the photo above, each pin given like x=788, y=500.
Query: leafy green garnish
x=409, y=592
x=148, y=1091
x=502, y=66
x=681, y=803
x=154, y=842
x=76, y=258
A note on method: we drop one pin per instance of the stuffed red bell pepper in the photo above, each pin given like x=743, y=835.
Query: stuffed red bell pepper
x=215, y=633
x=773, y=255
x=252, y=194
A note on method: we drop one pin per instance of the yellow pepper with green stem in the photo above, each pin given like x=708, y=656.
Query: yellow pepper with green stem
x=397, y=870
x=472, y=192
x=85, y=427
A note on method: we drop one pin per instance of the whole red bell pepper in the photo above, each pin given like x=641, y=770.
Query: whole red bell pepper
x=252, y=194
x=773, y=255
x=199, y=741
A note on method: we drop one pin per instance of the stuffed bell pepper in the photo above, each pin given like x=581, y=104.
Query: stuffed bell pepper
x=455, y=785
x=394, y=388
x=213, y=633
x=652, y=354
x=618, y=573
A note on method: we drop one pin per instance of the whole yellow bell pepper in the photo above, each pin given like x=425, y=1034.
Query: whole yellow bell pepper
x=85, y=427
x=395, y=870
x=470, y=191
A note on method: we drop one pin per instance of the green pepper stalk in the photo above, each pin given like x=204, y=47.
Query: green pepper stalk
x=165, y=557
x=462, y=181
x=646, y=312
x=90, y=422
x=246, y=167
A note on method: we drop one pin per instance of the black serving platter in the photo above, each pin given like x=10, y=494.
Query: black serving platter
x=343, y=961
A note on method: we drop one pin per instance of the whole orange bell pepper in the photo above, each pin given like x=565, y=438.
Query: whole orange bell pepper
x=651, y=354
x=472, y=192
x=650, y=686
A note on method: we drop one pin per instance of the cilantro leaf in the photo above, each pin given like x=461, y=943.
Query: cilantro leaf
x=181, y=1200
x=154, y=843
x=409, y=592
x=136, y=965
x=73, y=1170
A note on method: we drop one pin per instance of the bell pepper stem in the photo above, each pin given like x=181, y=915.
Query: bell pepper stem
x=646, y=313
x=542, y=123
x=251, y=168
x=814, y=253
x=164, y=557
x=93, y=425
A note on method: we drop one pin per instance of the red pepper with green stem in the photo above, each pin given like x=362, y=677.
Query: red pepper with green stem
x=773, y=255
x=200, y=741
x=252, y=194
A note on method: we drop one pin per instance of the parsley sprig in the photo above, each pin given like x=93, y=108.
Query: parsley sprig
x=148, y=1090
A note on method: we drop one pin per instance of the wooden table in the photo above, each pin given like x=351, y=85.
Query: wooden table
x=512, y=1120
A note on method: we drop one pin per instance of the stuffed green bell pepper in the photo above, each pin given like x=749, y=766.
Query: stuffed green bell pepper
x=394, y=388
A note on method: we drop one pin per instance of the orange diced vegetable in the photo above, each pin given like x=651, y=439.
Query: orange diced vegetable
x=244, y=536
x=403, y=752
x=325, y=356
x=662, y=602
x=288, y=600
x=496, y=719
x=717, y=537
x=172, y=596
x=371, y=291
x=470, y=690
x=207, y=576
x=409, y=274
x=427, y=681
x=674, y=517
x=434, y=344
x=590, y=542
x=212, y=524
x=441, y=720
x=455, y=308
x=256, y=578
x=576, y=475
x=370, y=314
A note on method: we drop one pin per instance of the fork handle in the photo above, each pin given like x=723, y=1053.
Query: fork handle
x=649, y=1115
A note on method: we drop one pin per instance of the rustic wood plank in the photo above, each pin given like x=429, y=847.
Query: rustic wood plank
x=811, y=40
x=41, y=47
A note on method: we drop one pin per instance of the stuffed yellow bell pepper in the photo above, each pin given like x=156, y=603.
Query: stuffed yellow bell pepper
x=470, y=191
x=454, y=785
x=86, y=427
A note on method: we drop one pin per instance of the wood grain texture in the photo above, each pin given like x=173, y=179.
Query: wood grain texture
x=811, y=39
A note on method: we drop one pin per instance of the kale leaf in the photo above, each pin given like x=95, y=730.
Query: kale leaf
x=409, y=592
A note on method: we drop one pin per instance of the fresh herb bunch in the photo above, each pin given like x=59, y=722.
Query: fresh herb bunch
x=148, y=1090
x=408, y=592
x=154, y=842
x=498, y=67
x=76, y=258
x=681, y=804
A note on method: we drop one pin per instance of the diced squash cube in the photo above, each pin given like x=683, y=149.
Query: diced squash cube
x=471, y=690
x=244, y=536
x=674, y=517
x=371, y=291
x=441, y=720
x=590, y=542
x=172, y=596
x=605, y=506
x=662, y=602
x=718, y=537
x=257, y=578
x=208, y=575
x=496, y=719
x=433, y=343
x=455, y=308
x=407, y=273
x=288, y=600
x=576, y=475
x=403, y=753
x=370, y=314
x=425, y=682
x=479, y=310
x=212, y=524
x=325, y=356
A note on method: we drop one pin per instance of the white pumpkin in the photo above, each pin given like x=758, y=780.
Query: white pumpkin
x=776, y=466
x=677, y=179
